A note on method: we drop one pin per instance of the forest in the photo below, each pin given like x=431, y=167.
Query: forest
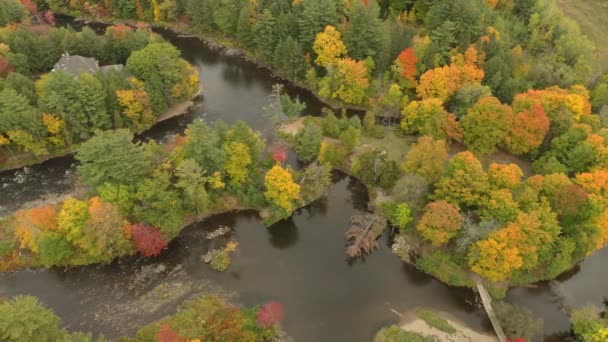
x=484, y=143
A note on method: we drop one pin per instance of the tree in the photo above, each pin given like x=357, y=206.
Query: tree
x=204, y=145
x=270, y=313
x=237, y=163
x=362, y=33
x=111, y=156
x=192, y=182
x=464, y=183
x=148, y=240
x=16, y=113
x=25, y=319
x=53, y=249
x=315, y=16
x=486, y=125
x=497, y=256
x=166, y=334
x=400, y=215
x=161, y=69
x=159, y=204
x=517, y=321
x=352, y=82
x=350, y=137
x=506, y=176
x=426, y=117
x=135, y=104
x=406, y=66
x=331, y=154
x=11, y=12
x=427, y=157
x=528, y=130
x=103, y=235
x=281, y=190
x=440, y=222
x=329, y=47
x=308, y=142
x=374, y=168
x=72, y=219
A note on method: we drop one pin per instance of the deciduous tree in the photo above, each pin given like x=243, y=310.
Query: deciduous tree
x=427, y=157
x=440, y=222
x=281, y=190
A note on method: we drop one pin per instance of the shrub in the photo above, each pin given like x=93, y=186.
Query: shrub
x=436, y=321
x=396, y=334
x=308, y=142
x=270, y=314
x=221, y=261
x=517, y=321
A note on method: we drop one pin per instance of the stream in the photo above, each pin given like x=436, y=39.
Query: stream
x=299, y=262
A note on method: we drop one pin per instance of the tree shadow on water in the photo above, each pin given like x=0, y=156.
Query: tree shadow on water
x=283, y=234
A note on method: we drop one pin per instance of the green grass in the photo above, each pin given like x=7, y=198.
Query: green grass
x=396, y=334
x=436, y=321
x=396, y=145
x=591, y=15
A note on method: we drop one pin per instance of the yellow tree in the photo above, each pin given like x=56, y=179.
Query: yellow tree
x=440, y=222
x=237, y=162
x=496, y=257
x=427, y=158
x=135, y=103
x=328, y=46
x=281, y=190
x=506, y=176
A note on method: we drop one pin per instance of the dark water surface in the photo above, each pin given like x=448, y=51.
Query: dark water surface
x=299, y=262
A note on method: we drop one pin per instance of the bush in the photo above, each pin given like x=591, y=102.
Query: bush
x=443, y=267
x=375, y=169
x=436, y=321
x=148, y=240
x=396, y=334
x=221, y=261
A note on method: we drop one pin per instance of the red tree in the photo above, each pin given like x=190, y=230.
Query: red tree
x=5, y=67
x=279, y=154
x=407, y=62
x=148, y=240
x=49, y=17
x=270, y=314
x=166, y=334
x=29, y=6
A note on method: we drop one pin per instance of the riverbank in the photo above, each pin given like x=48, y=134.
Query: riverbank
x=28, y=159
x=463, y=333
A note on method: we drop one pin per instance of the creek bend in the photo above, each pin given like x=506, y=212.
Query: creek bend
x=299, y=262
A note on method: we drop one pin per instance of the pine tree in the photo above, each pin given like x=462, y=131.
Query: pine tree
x=363, y=36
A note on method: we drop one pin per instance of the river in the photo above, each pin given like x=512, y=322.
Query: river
x=299, y=262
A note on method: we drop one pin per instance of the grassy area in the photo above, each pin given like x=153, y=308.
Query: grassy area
x=396, y=334
x=436, y=321
x=396, y=145
x=591, y=16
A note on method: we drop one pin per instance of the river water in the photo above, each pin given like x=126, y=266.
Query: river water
x=299, y=262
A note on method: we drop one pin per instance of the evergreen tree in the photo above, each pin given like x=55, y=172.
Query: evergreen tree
x=363, y=33
x=315, y=16
x=17, y=114
x=289, y=58
x=264, y=35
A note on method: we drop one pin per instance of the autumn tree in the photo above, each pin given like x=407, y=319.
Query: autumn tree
x=111, y=156
x=72, y=219
x=237, y=164
x=406, y=66
x=440, y=222
x=427, y=117
x=329, y=47
x=135, y=104
x=442, y=82
x=486, y=125
x=281, y=190
x=148, y=240
x=270, y=313
x=496, y=257
x=506, y=176
x=464, y=183
x=103, y=234
x=528, y=130
x=427, y=157
x=348, y=82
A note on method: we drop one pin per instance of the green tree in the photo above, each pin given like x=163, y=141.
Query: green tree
x=161, y=69
x=192, y=182
x=350, y=137
x=309, y=142
x=289, y=58
x=24, y=319
x=159, y=204
x=316, y=15
x=11, y=11
x=53, y=249
x=374, y=168
x=111, y=156
x=204, y=145
x=363, y=30
x=16, y=113
x=238, y=162
x=518, y=322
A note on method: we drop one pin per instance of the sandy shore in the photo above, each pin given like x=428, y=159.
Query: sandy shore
x=411, y=322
